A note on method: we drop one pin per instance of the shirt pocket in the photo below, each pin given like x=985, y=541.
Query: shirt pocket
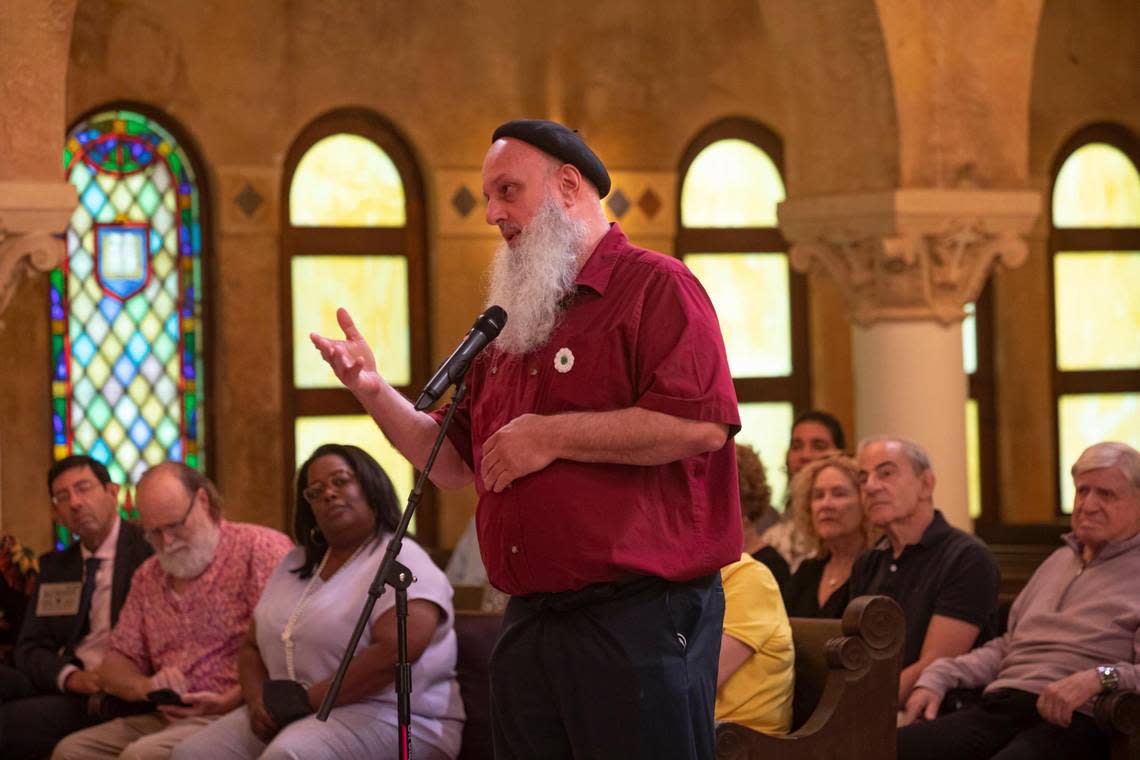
x=585, y=372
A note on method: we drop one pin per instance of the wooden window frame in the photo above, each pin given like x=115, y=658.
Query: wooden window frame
x=409, y=241
x=796, y=387
x=1091, y=240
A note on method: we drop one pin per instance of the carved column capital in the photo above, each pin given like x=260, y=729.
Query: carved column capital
x=910, y=254
x=33, y=218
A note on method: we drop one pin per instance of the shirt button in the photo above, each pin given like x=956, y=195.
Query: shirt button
x=533, y=371
x=514, y=550
x=494, y=370
x=894, y=567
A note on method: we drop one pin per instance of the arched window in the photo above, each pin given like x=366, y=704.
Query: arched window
x=1095, y=245
x=354, y=236
x=728, y=236
x=127, y=333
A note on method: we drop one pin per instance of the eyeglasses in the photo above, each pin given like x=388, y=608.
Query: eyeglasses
x=339, y=480
x=82, y=488
x=152, y=534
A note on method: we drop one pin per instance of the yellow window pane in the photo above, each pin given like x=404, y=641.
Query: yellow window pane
x=346, y=181
x=731, y=183
x=1088, y=419
x=1098, y=310
x=357, y=430
x=374, y=289
x=973, y=460
x=750, y=294
x=970, y=339
x=1098, y=186
x=767, y=427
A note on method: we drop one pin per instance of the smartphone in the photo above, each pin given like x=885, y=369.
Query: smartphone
x=166, y=697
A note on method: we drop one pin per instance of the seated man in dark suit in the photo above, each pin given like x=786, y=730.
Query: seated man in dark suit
x=945, y=580
x=67, y=628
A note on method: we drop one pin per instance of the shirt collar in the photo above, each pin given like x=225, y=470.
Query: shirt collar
x=1110, y=550
x=106, y=549
x=934, y=533
x=595, y=275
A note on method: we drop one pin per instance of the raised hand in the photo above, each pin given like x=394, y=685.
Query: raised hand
x=351, y=358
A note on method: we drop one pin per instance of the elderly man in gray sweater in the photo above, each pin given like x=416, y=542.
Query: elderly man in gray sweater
x=1074, y=633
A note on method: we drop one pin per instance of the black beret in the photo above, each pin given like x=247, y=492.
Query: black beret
x=561, y=142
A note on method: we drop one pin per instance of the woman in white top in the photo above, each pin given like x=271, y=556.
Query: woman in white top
x=345, y=512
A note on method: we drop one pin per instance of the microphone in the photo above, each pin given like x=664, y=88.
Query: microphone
x=486, y=328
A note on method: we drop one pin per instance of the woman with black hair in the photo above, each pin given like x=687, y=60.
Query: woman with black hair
x=345, y=512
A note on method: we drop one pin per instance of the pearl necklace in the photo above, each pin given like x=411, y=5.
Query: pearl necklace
x=287, y=633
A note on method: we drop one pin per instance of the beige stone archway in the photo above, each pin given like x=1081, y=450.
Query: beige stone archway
x=912, y=227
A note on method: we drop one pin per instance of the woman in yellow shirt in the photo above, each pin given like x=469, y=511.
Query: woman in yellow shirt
x=756, y=672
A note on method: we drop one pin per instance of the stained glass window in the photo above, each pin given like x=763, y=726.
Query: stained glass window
x=728, y=237
x=355, y=239
x=1096, y=278
x=126, y=306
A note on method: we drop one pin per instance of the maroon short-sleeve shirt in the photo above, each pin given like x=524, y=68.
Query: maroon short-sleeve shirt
x=639, y=331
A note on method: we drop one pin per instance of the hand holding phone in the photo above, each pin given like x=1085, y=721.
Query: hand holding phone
x=166, y=697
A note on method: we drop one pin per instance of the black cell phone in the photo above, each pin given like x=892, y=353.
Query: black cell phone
x=166, y=697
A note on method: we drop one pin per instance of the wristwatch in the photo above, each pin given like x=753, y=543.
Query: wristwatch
x=1109, y=678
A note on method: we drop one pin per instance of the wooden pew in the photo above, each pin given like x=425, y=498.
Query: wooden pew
x=846, y=695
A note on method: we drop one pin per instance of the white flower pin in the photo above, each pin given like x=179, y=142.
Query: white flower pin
x=564, y=360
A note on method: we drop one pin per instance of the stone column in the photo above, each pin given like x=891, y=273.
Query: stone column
x=907, y=261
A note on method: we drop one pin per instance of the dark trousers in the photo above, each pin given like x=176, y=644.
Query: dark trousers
x=31, y=727
x=621, y=671
x=1005, y=725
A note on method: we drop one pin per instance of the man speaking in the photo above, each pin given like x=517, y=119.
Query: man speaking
x=597, y=429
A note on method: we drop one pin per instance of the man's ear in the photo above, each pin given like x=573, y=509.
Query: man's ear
x=927, y=479
x=113, y=488
x=569, y=183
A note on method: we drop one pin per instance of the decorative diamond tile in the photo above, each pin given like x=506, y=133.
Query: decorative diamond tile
x=463, y=201
x=152, y=411
x=100, y=452
x=85, y=435
x=83, y=392
x=137, y=348
x=97, y=327
x=83, y=350
x=126, y=411
x=618, y=204
x=125, y=371
x=112, y=391
x=140, y=433
x=248, y=200
x=649, y=203
x=151, y=369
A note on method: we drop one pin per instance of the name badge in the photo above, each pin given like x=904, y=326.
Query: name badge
x=56, y=599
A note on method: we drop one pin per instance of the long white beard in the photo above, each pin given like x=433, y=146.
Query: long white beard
x=530, y=278
x=191, y=559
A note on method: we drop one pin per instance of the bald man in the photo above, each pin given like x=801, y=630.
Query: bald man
x=598, y=432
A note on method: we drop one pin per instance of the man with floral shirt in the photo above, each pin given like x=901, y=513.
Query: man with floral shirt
x=187, y=612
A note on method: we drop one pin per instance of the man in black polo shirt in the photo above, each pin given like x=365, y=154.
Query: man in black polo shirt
x=945, y=580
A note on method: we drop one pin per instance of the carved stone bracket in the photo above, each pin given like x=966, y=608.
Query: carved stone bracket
x=33, y=218
x=910, y=254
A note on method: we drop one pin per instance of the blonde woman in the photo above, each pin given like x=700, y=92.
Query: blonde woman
x=828, y=513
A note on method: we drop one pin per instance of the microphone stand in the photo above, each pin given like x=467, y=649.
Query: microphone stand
x=392, y=573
